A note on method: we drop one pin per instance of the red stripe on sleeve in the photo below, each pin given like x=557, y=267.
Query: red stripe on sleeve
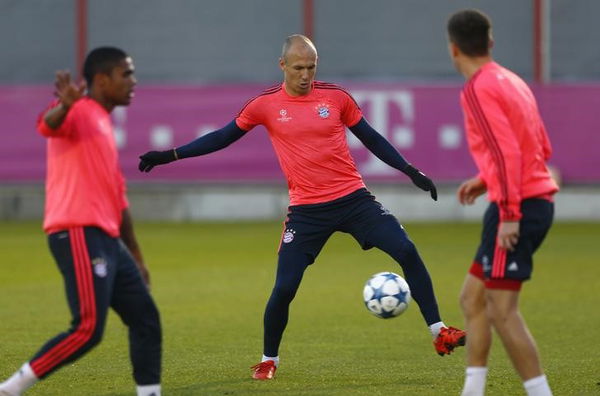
x=490, y=139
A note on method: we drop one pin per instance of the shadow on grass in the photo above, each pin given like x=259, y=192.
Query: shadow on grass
x=225, y=387
x=247, y=387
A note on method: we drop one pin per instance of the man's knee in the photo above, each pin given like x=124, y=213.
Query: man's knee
x=472, y=305
x=149, y=316
x=407, y=252
x=394, y=241
x=92, y=335
x=408, y=247
x=146, y=328
x=285, y=292
x=140, y=314
x=151, y=324
x=291, y=267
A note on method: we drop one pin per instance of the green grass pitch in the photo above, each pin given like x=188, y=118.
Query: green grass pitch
x=211, y=282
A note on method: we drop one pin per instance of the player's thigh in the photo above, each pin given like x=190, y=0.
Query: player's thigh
x=304, y=234
x=291, y=265
x=372, y=225
x=62, y=251
x=131, y=298
x=502, y=303
x=86, y=266
x=489, y=234
x=472, y=295
x=533, y=228
x=538, y=215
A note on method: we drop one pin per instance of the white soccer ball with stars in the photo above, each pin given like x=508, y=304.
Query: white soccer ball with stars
x=386, y=295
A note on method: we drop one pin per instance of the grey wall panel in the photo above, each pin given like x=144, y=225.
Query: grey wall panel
x=575, y=35
x=407, y=39
x=230, y=41
x=37, y=39
x=198, y=41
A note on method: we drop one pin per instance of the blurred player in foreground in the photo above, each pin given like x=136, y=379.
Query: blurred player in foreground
x=510, y=146
x=89, y=227
x=306, y=120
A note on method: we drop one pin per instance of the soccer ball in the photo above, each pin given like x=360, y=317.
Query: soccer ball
x=386, y=295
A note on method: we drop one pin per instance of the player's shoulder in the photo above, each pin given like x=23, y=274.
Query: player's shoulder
x=322, y=85
x=493, y=77
x=83, y=108
x=332, y=89
x=273, y=89
x=87, y=106
x=267, y=94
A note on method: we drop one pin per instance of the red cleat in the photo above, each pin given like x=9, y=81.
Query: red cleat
x=448, y=339
x=264, y=370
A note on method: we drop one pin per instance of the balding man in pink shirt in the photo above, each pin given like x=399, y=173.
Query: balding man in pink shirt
x=510, y=146
x=306, y=121
x=89, y=227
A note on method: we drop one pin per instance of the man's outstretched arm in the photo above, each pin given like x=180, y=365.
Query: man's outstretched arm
x=206, y=144
x=383, y=150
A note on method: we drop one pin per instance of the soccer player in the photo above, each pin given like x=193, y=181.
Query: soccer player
x=509, y=144
x=306, y=121
x=89, y=226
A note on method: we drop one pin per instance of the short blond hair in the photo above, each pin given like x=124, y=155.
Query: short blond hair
x=293, y=39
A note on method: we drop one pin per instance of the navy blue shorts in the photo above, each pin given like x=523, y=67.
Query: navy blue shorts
x=308, y=227
x=502, y=269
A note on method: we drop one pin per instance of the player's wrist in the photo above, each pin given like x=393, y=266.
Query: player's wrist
x=65, y=105
x=410, y=170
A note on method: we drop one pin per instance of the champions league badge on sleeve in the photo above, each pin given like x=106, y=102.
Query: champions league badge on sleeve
x=323, y=110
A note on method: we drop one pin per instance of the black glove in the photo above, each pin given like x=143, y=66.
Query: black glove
x=153, y=158
x=421, y=181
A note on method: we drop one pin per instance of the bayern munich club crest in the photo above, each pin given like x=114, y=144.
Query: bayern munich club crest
x=100, y=268
x=323, y=110
x=288, y=235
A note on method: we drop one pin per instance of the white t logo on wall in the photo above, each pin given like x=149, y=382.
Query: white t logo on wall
x=402, y=136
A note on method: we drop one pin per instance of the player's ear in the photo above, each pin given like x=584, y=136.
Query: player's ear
x=100, y=80
x=453, y=49
x=281, y=63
